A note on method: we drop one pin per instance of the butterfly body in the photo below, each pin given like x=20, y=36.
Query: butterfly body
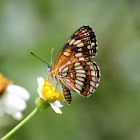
x=74, y=68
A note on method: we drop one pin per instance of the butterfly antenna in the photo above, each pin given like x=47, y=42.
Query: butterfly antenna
x=40, y=59
x=51, y=55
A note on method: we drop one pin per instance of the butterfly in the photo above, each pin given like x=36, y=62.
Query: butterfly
x=74, y=68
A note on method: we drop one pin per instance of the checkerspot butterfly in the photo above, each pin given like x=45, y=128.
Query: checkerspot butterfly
x=74, y=68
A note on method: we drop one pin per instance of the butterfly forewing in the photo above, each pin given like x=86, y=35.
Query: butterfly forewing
x=74, y=68
x=81, y=43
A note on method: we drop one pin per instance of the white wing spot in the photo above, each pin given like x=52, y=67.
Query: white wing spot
x=79, y=82
x=92, y=83
x=64, y=74
x=93, y=73
x=93, y=79
x=93, y=44
x=80, y=75
x=66, y=53
x=80, y=45
x=60, y=69
x=72, y=41
x=69, y=62
x=67, y=80
x=79, y=78
x=69, y=40
x=89, y=63
x=87, y=34
x=89, y=47
x=65, y=69
x=79, y=67
x=81, y=58
x=90, y=51
x=91, y=67
x=79, y=49
x=91, y=89
x=79, y=87
x=80, y=71
x=78, y=54
x=84, y=31
x=76, y=42
x=71, y=74
x=76, y=64
x=97, y=84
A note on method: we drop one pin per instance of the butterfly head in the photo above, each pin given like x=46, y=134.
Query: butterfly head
x=49, y=69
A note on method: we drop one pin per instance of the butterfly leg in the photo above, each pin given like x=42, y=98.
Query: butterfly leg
x=49, y=78
x=56, y=86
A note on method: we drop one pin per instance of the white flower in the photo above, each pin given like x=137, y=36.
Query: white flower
x=13, y=101
x=56, y=106
x=46, y=92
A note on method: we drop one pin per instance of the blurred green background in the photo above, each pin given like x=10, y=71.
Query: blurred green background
x=113, y=111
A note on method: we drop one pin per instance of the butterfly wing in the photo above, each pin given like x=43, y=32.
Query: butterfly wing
x=82, y=77
x=74, y=66
x=82, y=43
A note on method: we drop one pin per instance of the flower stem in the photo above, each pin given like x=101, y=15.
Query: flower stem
x=20, y=124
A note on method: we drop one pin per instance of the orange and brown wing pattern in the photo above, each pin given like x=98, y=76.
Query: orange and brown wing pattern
x=82, y=77
x=74, y=68
x=82, y=43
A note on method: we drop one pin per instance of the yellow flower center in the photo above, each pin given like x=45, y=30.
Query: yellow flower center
x=4, y=82
x=49, y=93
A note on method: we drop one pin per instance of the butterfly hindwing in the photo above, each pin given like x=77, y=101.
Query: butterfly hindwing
x=82, y=77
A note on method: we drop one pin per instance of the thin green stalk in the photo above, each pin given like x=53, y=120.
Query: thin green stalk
x=20, y=124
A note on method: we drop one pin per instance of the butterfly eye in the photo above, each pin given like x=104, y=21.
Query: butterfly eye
x=49, y=69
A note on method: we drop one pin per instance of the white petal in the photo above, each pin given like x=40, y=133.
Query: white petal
x=13, y=103
x=18, y=91
x=40, y=81
x=17, y=115
x=55, y=108
x=58, y=104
